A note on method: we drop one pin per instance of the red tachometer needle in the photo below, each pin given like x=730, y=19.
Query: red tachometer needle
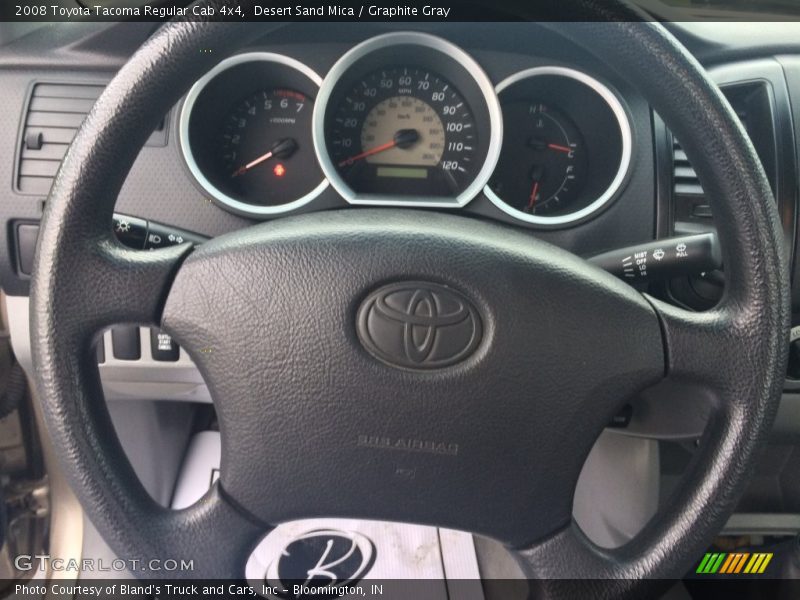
x=281, y=149
x=534, y=193
x=366, y=153
x=559, y=147
x=245, y=168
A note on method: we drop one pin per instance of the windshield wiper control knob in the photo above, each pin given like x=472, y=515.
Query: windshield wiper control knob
x=663, y=259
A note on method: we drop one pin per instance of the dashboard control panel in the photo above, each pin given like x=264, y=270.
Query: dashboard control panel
x=406, y=119
x=663, y=259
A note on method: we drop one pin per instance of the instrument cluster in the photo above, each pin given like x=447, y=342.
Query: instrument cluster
x=406, y=119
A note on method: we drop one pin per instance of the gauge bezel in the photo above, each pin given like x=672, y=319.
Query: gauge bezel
x=227, y=201
x=446, y=49
x=626, y=154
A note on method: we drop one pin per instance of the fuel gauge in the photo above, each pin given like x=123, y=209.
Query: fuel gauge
x=567, y=146
x=542, y=167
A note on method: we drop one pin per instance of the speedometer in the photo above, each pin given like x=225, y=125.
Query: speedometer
x=405, y=124
x=424, y=131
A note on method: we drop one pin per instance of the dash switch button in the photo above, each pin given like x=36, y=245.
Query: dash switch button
x=125, y=342
x=163, y=347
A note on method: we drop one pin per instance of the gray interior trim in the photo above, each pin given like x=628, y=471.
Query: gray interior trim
x=763, y=524
x=143, y=379
x=787, y=421
x=618, y=489
x=147, y=378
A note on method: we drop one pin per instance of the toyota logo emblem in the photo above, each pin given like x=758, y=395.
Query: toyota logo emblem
x=419, y=325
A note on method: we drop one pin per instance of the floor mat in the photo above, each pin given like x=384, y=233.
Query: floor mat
x=342, y=552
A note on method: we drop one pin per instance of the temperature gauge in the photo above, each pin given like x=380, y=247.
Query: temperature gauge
x=567, y=147
x=543, y=163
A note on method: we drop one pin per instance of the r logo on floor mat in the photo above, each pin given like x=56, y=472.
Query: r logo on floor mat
x=322, y=558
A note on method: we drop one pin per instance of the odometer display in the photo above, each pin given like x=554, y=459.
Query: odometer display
x=404, y=131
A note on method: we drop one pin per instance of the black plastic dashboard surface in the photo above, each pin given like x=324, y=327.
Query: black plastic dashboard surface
x=161, y=189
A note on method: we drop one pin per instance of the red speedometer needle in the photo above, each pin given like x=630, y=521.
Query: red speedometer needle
x=366, y=153
x=402, y=139
x=559, y=147
x=281, y=149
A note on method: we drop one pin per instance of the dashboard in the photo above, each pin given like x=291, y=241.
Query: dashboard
x=548, y=145
x=527, y=130
x=510, y=123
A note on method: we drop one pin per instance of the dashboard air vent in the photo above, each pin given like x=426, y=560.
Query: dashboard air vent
x=752, y=105
x=684, y=179
x=55, y=112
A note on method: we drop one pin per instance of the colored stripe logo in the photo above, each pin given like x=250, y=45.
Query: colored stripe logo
x=734, y=563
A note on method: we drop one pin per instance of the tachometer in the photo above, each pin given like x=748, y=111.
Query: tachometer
x=245, y=131
x=425, y=131
x=266, y=148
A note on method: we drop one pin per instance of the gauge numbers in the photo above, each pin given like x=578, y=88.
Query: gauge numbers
x=265, y=147
x=543, y=161
x=403, y=130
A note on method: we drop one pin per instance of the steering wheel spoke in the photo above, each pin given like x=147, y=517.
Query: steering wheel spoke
x=110, y=285
x=711, y=349
x=132, y=285
x=568, y=565
x=210, y=539
x=692, y=343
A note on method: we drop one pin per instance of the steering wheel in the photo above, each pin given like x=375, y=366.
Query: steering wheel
x=312, y=424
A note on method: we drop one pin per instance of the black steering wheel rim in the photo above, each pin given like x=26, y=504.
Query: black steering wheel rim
x=84, y=281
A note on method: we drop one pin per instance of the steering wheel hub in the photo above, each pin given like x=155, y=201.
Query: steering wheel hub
x=286, y=310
